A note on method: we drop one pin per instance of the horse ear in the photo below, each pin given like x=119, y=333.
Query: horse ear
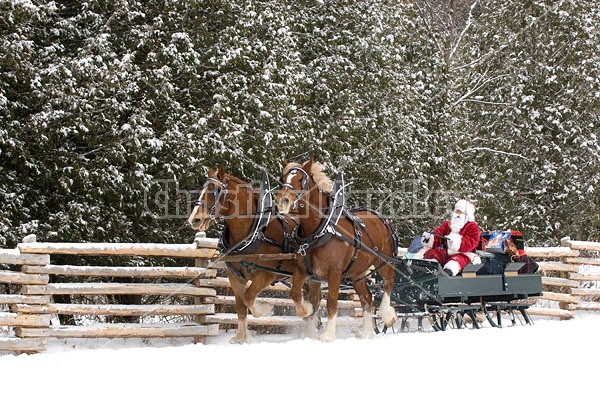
x=221, y=172
x=308, y=165
x=284, y=164
x=211, y=172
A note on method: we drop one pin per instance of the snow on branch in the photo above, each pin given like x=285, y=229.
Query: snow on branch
x=494, y=151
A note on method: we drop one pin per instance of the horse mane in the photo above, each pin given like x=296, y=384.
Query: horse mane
x=324, y=183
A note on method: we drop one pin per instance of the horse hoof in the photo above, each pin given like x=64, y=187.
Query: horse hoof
x=238, y=340
x=304, y=309
x=326, y=338
x=311, y=327
x=364, y=335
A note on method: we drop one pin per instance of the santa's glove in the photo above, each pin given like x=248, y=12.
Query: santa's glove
x=426, y=240
x=454, y=241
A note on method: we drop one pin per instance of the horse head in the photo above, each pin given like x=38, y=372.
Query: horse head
x=302, y=184
x=211, y=200
x=295, y=186
x=222, y=196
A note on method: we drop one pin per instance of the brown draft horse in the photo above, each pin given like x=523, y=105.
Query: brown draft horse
x=225, y=197
x=304, y=194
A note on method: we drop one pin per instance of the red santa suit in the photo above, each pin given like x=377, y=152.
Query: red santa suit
x=453, y=243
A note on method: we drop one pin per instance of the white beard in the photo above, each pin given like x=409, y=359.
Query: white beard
x=457, y=222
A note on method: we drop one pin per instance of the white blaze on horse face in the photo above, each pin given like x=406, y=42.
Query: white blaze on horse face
x=196, y=219
x=290, y=176
x=202, y=195
x=285, y=206
x=192, y=216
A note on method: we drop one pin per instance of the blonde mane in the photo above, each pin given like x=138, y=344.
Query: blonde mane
x=323, y=182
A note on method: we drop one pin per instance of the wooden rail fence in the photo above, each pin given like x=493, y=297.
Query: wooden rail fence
x=570, y=276
x=195, y=300
x=188, y=292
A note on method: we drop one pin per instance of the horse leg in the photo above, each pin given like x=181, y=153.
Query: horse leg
x=238, y=285
x=366, y=301
x=303, y=307
x=333, y=282
x=312, y=291
x=260, y=281
x=387, y=312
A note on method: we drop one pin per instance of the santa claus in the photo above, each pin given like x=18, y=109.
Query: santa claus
x=453, y=243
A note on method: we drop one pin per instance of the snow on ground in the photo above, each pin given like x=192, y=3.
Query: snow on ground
x=549, y=359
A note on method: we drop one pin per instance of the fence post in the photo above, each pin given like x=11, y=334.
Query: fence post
x=29, y=308
x=201, y=262
x=564, y=242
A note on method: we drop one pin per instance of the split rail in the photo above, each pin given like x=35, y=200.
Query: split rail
x=570, y=278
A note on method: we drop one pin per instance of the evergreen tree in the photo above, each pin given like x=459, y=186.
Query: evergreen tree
x=100, y=109
x=534, y=118
x=110, y=112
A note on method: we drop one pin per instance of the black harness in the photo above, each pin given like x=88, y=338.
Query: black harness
x=327, y=228
x=264, y=211
x=358, y=244
x=257, y=237
x=324, y=232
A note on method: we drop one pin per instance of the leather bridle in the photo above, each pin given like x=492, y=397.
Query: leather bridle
x=304, y=182
x=218, y=192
